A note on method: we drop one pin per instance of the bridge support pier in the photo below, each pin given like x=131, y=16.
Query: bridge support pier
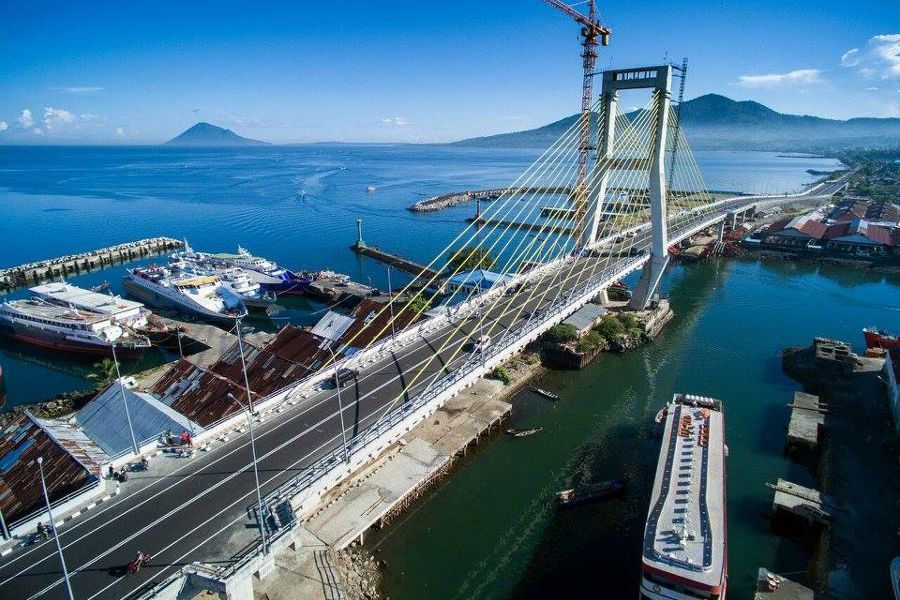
x=645, y=291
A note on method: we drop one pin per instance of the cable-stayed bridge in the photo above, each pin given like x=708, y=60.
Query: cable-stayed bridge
x=560, y=235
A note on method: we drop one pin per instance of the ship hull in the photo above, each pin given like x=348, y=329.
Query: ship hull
x=154, y=298
x=877, y=339
x=53, y=341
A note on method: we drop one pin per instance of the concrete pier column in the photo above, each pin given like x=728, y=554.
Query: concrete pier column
x=602, y=169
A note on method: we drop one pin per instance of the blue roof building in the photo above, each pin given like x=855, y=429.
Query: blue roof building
x=475, y=281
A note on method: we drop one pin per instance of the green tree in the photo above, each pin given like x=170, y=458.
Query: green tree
x=501, y=374
x=468, y=259
x=629, y=321
x=610, y=328
x=419, y=303
x=562, y=333
x=589, y=342
x=104, y=372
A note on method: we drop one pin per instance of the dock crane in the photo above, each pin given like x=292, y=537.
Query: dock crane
x=591, y=30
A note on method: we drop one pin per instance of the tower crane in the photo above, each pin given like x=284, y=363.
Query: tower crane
x=591, y=29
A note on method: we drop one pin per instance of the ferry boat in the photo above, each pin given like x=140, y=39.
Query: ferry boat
x=286, y=282
x=41, y=323
x=589, y=493
x=203, y=296
x=241, y=283
x=119, y=310
x=685, y=538
x=880, y=339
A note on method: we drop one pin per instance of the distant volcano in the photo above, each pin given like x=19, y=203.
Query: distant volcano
x=204, y=134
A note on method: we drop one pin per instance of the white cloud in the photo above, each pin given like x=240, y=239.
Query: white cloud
x=872, y=89
x=81, y=90
x=57, y=117
x=395, y=121
x=25, y=119
x=798, y=77
x=879, y=58
x=37, y=131
x=3, y=126
x=120, y=132
x=850, y=58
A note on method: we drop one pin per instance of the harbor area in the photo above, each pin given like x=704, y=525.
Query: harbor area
x=771, y=586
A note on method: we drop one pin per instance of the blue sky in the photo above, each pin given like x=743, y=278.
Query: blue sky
x=397, y=71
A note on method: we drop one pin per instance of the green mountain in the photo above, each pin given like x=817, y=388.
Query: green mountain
x=207, y=135
x=714, y=122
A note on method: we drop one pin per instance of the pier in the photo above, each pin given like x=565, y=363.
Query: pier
x=770, y=586
x=452, y=199
x=35, y=272
x=808, y=504
x=807, y=420
x=538, y=227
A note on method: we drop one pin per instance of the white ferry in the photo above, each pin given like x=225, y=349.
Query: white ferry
x=203, y=296
x=42, y=323
x=241, y=282
x=685, y=539
x=119, y=310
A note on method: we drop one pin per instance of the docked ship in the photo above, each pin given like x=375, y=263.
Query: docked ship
x=41, y=323
x=685, y=538
x=250, y=291
x=879, y=339
x=285, y=281
x=119, y=310
x=202, y=296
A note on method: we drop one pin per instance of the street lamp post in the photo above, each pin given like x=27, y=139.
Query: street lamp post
x=134, y=443
x=337, y=385
x=259, y=504
x=62, y=560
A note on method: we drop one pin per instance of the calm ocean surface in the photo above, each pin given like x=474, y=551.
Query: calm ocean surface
x=489, y=531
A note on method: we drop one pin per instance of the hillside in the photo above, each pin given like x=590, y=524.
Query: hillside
x=714, y=122
x=207, y=135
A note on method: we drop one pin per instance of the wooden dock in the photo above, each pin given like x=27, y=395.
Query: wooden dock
x=35, y=272
x=806, y=503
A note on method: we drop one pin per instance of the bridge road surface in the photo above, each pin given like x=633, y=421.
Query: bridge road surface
x=177, y=516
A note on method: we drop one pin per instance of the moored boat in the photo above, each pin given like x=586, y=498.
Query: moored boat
x=589, y=493
x=879, y=339
x=523, y=432
x=285, y=281
x=41, y=323
x=202, y=296
x=546, y=394
x=685, y=536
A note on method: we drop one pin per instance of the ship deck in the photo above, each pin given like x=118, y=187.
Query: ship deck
x=684, y=538
x=55, y=313
x=86, y=299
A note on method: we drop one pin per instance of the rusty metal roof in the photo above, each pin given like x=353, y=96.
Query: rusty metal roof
x=266, y=371
x=198, y=394
x=370, y=326
x=21, y=443
x=300, y=347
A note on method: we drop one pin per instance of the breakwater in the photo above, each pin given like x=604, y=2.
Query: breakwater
x=75, y=264
x=456, y=198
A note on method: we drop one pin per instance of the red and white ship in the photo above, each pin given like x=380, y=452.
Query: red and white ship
x=880, y=339
x=685, y=538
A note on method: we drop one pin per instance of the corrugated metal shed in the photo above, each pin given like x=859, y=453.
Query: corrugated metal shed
x=300, y=347
x=371, y=323
x=586, y=317
x=21, y=443
x=266, y=371
x=332, y=326
x=104, y=420
x=198, y=394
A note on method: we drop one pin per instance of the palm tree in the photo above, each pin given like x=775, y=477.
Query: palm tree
x=104, y=372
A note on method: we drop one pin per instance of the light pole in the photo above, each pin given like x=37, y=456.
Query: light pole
x=244, y=365
x=259, y=504
x=391, y=303
x=134, y=443
x=337, y=385
x=62, y=560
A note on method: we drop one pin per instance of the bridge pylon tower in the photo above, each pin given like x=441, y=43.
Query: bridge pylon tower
x=659, y=80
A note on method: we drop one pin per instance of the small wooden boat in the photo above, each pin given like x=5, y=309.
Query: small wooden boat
x=523, y=432
x=546, y=394
x=895, y=576
x=661, y=415
x=589, y=493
